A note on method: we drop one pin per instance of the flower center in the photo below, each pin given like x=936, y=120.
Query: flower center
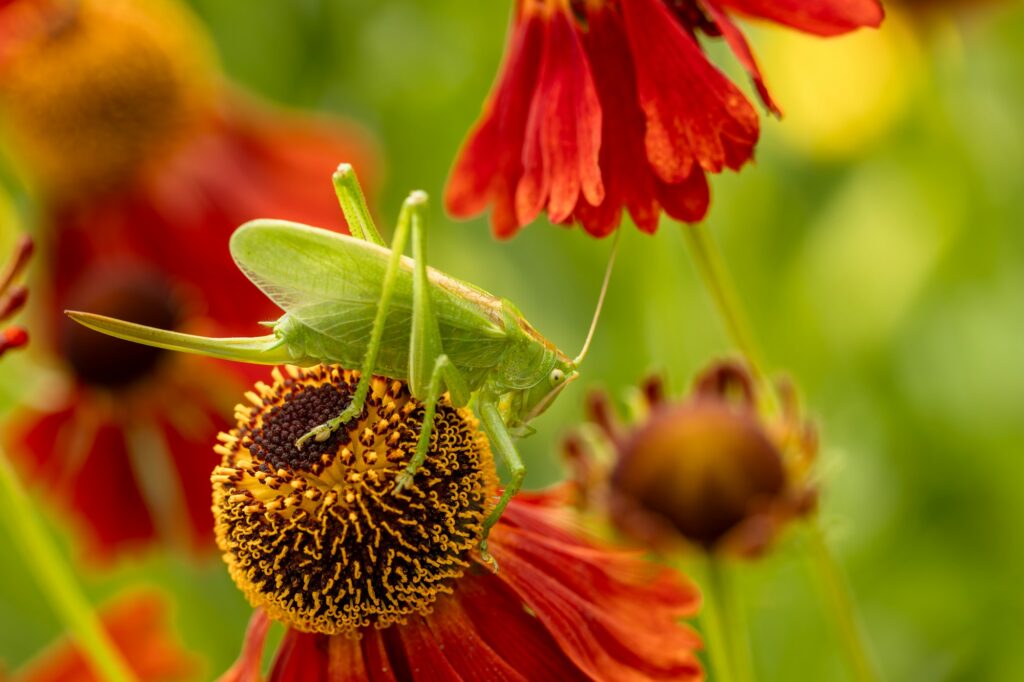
x=103, y=361
x=320, y=537
x=97, y=90
x=703, y=467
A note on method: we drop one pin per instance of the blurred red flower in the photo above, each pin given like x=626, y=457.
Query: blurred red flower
x=560, y=608
x=605, y=104
x=143, y=163
x=138, y=625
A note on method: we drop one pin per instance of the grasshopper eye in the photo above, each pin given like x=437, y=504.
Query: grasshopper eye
x=556, y=377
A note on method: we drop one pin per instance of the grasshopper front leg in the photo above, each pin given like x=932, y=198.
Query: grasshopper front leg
x=445, y=373
x=501, y=441
x=355, y=407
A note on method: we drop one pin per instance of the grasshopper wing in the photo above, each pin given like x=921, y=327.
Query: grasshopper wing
x=332, y=284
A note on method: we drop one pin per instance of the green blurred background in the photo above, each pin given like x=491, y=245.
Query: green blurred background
x=877, y=243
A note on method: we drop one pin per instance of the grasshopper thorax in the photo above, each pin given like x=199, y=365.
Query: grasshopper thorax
x=532, y=370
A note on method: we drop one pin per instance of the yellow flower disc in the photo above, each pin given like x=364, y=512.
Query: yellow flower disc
x=320, y=537
x=100, y=90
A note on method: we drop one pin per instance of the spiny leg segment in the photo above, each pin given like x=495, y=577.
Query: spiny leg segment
x=359, y=220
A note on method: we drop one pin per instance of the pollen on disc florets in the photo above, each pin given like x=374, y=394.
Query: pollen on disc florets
x=319, y=537
x=95, y=92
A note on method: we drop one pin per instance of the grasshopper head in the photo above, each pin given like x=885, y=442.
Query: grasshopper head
x=539, y=397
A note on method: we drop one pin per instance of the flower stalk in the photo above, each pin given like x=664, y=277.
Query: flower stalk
x=57, y=582
x=715, y=276
x=728, y=305
x=713, y=623
x=840, y=602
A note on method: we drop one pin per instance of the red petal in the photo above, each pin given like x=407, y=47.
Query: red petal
x=629, y=179
x=466, y=651
x=739, y=46
x=189, y=444
x=85, y=467
x=563, y=131
x=694, y=114
x=613, y=614
x=593, y=636
x=301, y=657
x=688, y=200
x=497, y=615
x=249, y=664
x=378, y=663
x=823, y=17
x=82, y=453
x=490, y=162
x=424, y=658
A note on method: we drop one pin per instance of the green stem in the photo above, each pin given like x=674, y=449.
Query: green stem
x=836, y=593
x=57, y=581
x=734, y=621
x=715, y=275
x=713, y=624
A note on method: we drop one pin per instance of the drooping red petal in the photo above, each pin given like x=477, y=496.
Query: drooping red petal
x=301, y=658
x=563, y=130
x=490, y=164
x=248, y=666
x=629, y=178
x=376, y=660
x=822, y=17
x=741, y=48
x=471, y=656
x=138, y=626
x=425, y=659
x=614, y=615
x=495, y=612
x=694, y=114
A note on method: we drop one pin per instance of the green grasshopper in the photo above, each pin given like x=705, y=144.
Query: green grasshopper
x=425, y=327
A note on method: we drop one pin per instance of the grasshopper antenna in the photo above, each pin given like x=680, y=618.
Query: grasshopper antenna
x=600, y=299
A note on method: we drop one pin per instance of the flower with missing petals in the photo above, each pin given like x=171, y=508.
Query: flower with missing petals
x=708, y=471
x=137, y=625
x=143, y=162
x=373, y=582
x=609, y=104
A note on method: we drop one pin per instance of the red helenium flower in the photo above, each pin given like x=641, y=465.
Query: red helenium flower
x=138, y=626
x=559, y=608
x=377, y=582
x=605, y=104
x=143, y=164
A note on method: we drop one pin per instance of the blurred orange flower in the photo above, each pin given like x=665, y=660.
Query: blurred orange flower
x=606, y=104
x=138, y=625
x=143, y=161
